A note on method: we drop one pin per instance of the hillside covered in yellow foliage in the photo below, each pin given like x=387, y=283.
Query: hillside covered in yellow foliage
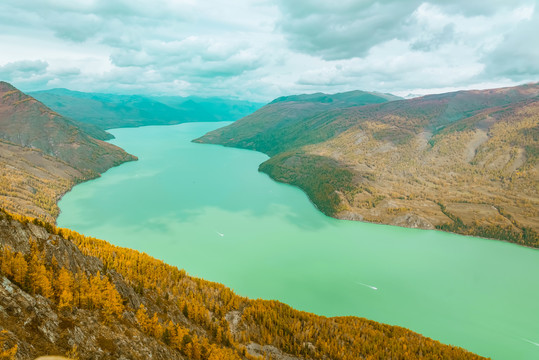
x=64, y=293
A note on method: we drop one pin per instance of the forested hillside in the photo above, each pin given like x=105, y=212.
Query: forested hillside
x=464, y=162
x=63, y=293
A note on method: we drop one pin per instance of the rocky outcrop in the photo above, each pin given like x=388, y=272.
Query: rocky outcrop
x=40, y=328
x=413, y=221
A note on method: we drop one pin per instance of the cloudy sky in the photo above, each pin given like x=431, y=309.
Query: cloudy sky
x=261, y=49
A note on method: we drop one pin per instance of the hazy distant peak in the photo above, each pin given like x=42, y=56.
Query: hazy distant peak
x=413, y=96
x=54, y=91
x=504, y=94
x=108, y=111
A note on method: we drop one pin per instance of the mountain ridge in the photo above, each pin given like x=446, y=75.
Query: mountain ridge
x=394, y=159
x=43, y=154
x=285, y=120
x=107, y=111
x=353, y=97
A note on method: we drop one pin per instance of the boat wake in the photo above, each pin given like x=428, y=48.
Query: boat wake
x=220, y=234
x=531, y=342
x=369, y=286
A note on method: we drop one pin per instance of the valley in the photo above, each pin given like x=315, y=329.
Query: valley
x=206, y=209
x=108, y=111
x=269, y=180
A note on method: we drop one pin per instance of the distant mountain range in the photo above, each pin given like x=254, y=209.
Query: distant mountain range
x=108, y=111
x=464, y=161
x=43, y=154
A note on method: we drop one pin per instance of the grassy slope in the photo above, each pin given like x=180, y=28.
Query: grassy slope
x=43, y=154
x=287, y=122
x=464, y=162
x=31, y=182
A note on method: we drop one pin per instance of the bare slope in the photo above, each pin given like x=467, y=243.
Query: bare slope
x=42, y=154
x=463, y=162
x=31, y=182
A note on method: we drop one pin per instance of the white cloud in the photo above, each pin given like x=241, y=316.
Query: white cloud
x=261, y=49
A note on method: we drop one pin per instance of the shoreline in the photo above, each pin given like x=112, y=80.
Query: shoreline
x=381, y=222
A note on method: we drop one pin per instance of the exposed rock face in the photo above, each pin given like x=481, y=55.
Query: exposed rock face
x=16, y=235
x=269, y=351
x=348, y=215
x=412, y=220
x=40, y=328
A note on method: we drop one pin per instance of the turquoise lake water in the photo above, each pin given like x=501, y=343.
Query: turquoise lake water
x=207, y=209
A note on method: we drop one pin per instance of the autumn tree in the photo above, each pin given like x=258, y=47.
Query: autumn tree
x=7, y=261
x=64, y=289
x=156, y=329
x=81, y=290
x=40, y=277
x=112, y=302
x=95, y=298
x=41, y=281
x=19, y=268
x=143, y=319
x=73, y=353
x=6, y=354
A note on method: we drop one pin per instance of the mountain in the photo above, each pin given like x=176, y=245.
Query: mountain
x=218, y=109
x=283, y=124
x=341, y=100
x=63, y=293
x=31, y=182
x=464, y=161
x=108, y=111
x=43, y=154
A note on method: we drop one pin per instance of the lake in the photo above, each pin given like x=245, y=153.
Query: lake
x=207, y=209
